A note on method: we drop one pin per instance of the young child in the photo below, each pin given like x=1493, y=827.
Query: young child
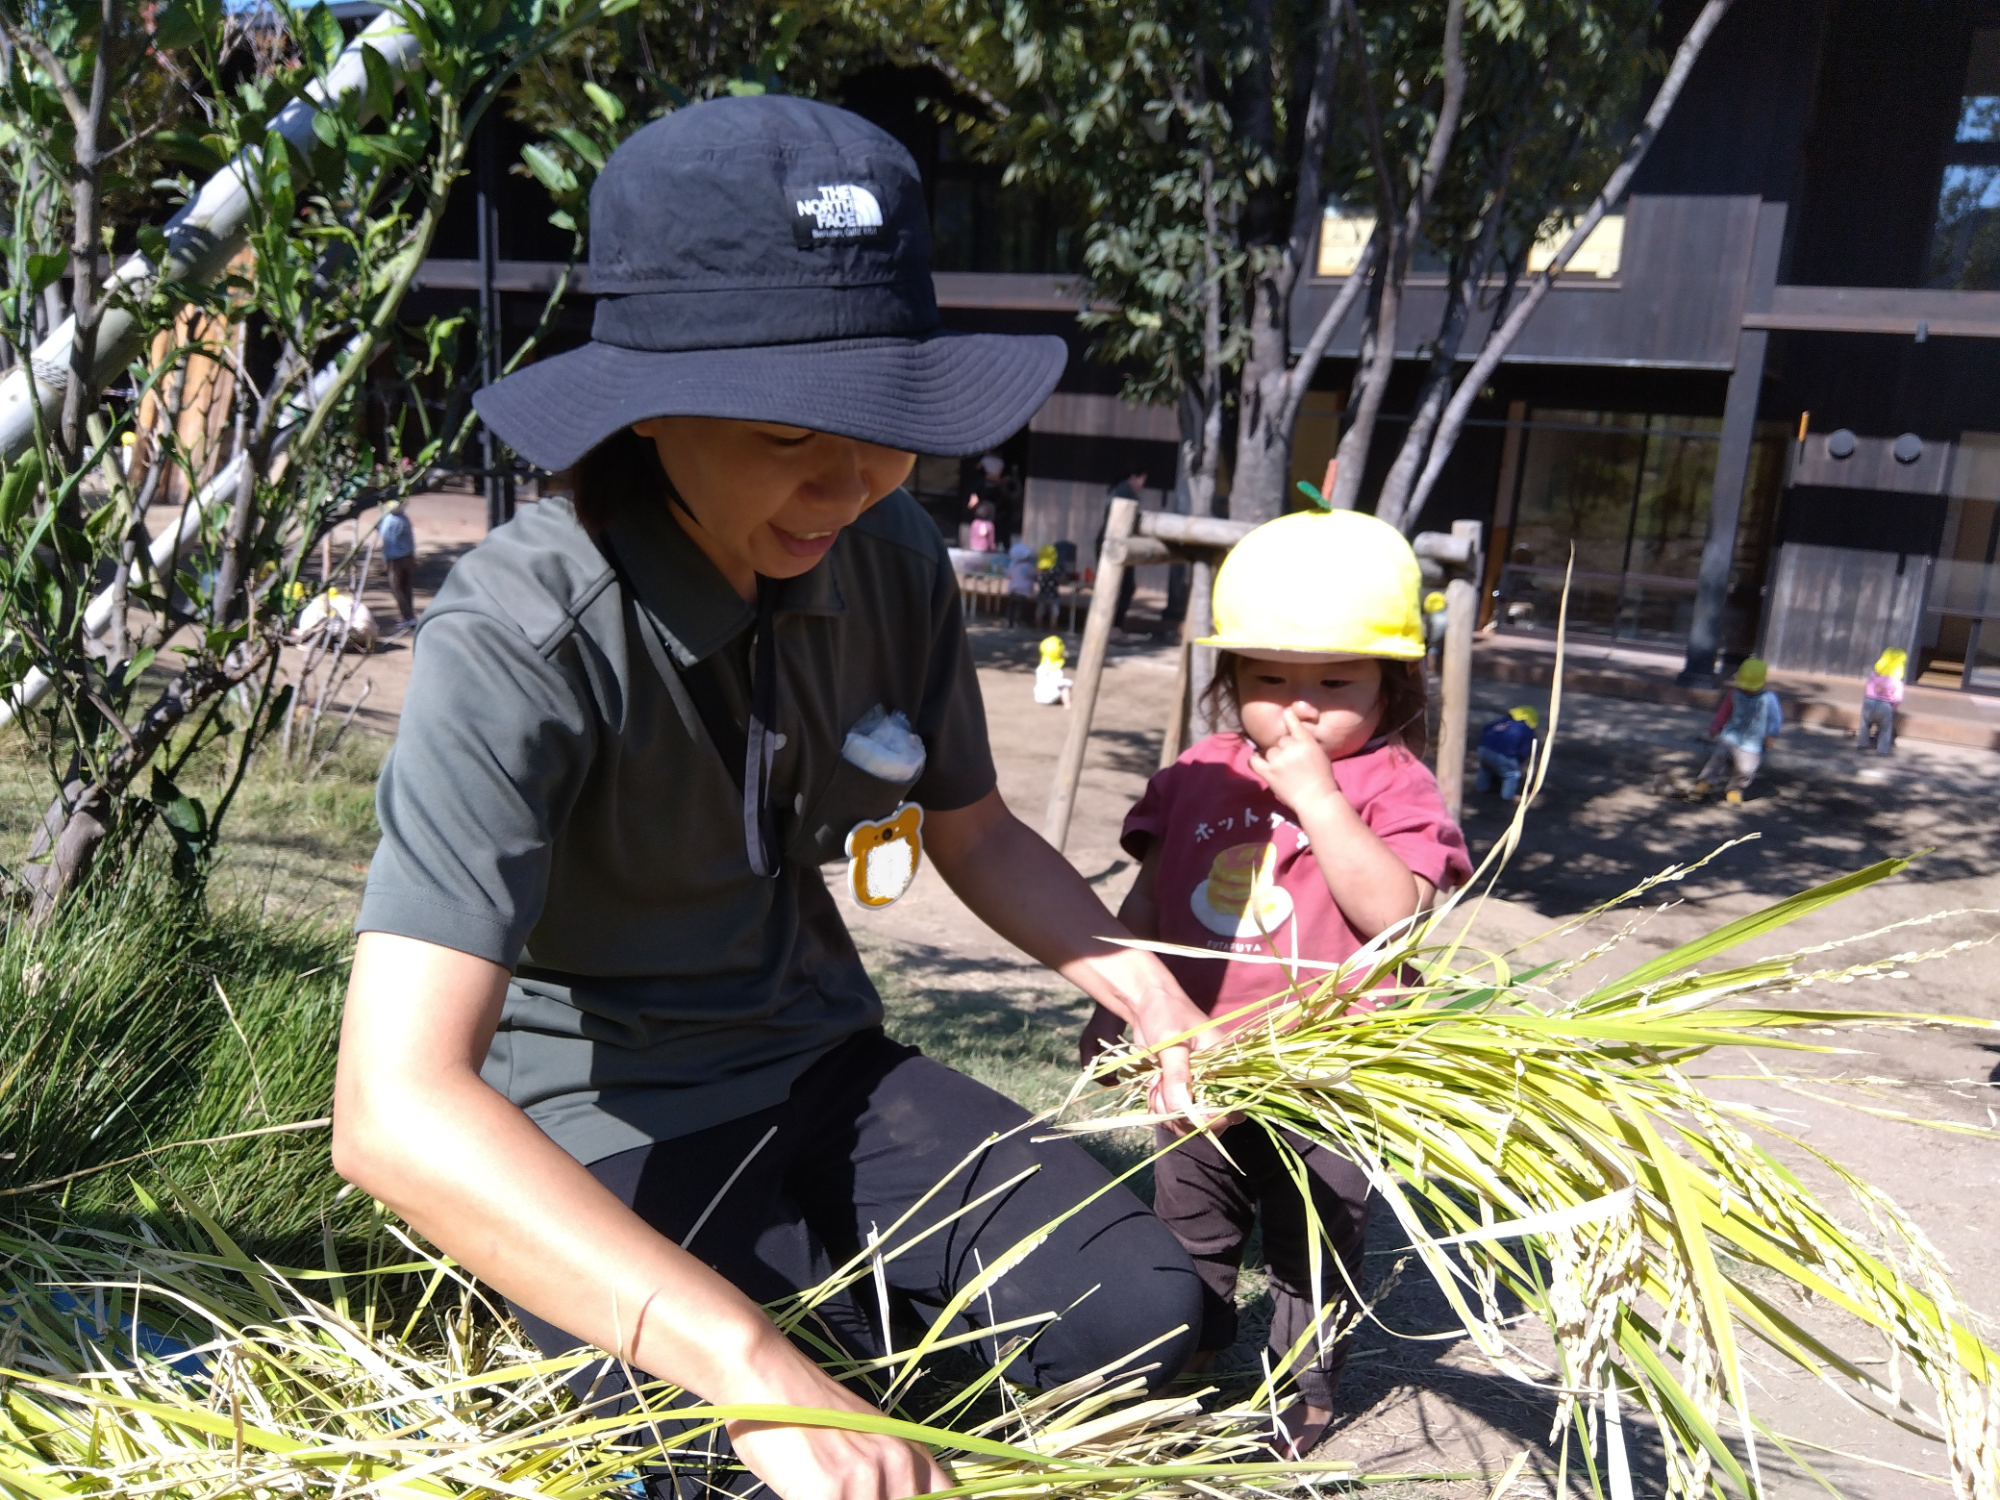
x=399, y=552
x=1305, y=829
x=1048, y=586
x=1504, y=748
x=1051, y=687
x=1879, y=701
x=1436, y=617
x=1748, y=715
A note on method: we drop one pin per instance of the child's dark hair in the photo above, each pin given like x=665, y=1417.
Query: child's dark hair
x=621, y=471
x=1405, y=697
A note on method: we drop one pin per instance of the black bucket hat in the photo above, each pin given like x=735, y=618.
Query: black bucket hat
x=768, y=259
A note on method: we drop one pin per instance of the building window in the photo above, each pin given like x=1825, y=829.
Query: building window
x=1345, y=230
x=1627, y=496
x=1965, y=236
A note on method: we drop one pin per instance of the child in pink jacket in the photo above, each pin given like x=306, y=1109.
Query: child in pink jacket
x=1879, y=700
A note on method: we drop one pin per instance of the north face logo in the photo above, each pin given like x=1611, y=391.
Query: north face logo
x=841, y=211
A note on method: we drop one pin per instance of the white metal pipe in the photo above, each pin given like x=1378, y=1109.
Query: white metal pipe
x=172, y=542
x=201, y=239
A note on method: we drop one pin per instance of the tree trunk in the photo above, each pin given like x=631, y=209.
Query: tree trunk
x=1371, y=379
x=1394, y=504
x=77, y=822
x=71, y=831
x=86, y=206
x=1405, y=222
x=1504, y=335
x=1270, y=391
x=1264, y=416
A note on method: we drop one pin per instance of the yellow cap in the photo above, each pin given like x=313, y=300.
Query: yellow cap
x=1750, y=676
x=1433, y=601
x=1052, y=649
x=1891, y=662
x=1046, y=557
x=1526, y=715
x=1319, y=585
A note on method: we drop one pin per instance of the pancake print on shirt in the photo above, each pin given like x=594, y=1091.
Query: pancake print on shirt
x=1240, y=899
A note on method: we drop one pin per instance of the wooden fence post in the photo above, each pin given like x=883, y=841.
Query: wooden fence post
x=1455, y=707
x=1089, y=669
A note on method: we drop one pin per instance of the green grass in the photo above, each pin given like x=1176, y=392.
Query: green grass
x=136, y=1020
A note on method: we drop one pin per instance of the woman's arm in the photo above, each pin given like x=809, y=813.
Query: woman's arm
x=416, y=1126
x=1140, y=916
x=1033, y=897
x=1373, y=888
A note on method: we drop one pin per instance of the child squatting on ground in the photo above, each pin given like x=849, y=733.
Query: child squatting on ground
x=1051, y=686
x=1506, y=746
x=1748, y=715
x=1880, y=698
x=1303, y=831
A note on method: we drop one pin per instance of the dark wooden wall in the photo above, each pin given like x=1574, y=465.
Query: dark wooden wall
x=1887, y=108
x=1834, y=609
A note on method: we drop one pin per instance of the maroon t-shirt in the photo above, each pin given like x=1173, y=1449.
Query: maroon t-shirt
x=1237, y=874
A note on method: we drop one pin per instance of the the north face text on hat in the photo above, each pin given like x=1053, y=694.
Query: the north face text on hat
x=841, y=211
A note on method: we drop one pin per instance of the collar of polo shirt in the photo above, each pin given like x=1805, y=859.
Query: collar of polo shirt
x=688, y=594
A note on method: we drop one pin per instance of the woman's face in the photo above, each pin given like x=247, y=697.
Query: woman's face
x=1338, y=703
x=767, y=498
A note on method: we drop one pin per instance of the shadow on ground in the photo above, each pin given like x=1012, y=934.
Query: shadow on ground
x=1618, y=807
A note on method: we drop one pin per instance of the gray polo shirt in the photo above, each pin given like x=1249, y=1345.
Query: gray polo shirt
x=548, y=806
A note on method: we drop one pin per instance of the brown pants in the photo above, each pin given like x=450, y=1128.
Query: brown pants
x=1210, y=1206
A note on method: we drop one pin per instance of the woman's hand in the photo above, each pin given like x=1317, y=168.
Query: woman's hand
x=823, y=1463
x=1029, y=894
x=1297, y=770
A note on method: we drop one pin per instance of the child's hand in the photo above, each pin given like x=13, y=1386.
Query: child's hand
x=1296, y=769
x=1099, y=1032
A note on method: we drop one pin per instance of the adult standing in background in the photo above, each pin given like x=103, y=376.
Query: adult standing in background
x=1131, y=487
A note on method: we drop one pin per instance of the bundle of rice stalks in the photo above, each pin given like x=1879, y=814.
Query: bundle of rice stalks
x=1541, y=1139
x=131, y=1367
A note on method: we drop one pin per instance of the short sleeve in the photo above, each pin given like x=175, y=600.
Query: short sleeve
x=958, y=760
x=1407, y=812
x=493, y=745
x=1149, y=815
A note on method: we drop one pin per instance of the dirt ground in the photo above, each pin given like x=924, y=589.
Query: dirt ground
x=1616, y=809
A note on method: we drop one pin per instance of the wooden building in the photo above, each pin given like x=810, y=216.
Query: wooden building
x=1769, y=419
x=1812, y=247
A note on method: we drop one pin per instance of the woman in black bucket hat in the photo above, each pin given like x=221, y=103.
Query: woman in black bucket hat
x=608, y=1041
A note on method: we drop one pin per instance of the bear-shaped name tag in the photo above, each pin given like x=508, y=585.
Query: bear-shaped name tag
x=882, y=856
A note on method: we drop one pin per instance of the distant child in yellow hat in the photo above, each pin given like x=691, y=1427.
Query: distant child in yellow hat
x=1437, y=615
x=1505, y=748
x=1048, y=586
x=1303, y=830
x=1051, y=687
x=1748, y=716
x=1880, y=699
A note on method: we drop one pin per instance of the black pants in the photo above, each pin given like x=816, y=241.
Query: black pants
x=1128, y=585
x=867, y=1131
x=1210, y=1206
